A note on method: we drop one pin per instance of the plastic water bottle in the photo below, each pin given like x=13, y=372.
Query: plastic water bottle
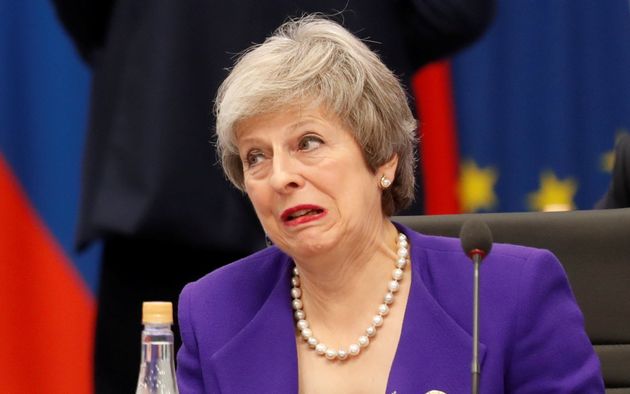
x=157, y=367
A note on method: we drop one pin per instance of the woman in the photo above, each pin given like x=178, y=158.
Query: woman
x=318, y=133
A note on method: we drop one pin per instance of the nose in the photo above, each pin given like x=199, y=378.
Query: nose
x=285, y=176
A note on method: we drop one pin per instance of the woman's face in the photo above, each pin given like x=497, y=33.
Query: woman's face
x=308, y=181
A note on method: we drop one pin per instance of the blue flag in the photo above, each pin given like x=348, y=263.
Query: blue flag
x=539, y=102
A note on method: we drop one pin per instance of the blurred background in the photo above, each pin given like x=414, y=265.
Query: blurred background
x=525, y=119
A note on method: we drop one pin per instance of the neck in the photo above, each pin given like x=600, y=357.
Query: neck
x=343, y=287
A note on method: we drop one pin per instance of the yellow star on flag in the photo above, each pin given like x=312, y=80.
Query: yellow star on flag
x=476, y=187
x=554, y=194
x=608, y=161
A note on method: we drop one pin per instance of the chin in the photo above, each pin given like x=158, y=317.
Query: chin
x=310, y=246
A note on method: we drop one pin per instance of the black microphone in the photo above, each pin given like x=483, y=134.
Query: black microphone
x=476, y=241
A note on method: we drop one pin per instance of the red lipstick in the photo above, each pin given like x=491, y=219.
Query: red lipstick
x=300, y=214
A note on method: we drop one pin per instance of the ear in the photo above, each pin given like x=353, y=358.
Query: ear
x=388, y=168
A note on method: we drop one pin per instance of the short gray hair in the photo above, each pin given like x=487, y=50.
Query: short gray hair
x=314, y=60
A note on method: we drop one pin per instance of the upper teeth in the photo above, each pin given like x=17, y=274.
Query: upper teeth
x=300, y=213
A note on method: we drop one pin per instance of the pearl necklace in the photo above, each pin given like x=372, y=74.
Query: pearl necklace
x=377, y=321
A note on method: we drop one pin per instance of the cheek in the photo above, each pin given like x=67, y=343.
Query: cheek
x=355, y=178
x=256, y=195
x=354, y=188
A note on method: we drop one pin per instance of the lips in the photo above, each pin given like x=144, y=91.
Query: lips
x=302, y=214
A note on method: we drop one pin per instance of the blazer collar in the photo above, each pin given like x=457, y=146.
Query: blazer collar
x=434, y=351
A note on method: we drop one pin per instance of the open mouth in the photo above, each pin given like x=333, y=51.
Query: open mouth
x=302, y=213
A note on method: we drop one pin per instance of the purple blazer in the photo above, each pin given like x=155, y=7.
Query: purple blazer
x=238, y=331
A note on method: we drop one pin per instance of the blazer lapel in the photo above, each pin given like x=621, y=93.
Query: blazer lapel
x=262, y=358
x=434, y=351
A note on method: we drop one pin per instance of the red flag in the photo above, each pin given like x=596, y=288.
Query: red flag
x=46, y=312
x=439, y=156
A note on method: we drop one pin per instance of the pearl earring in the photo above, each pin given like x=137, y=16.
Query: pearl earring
x=385, y=182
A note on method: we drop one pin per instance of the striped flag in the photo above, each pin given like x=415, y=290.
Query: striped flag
x=46, y=290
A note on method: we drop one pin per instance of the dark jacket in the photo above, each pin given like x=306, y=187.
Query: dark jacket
x=618, y=194
x=149, y=170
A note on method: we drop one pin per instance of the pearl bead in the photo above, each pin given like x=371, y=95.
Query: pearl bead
x=321, y=349
x=299, y=314
x=312, y=342
x=402, y=237
x=397, y=274
x=371, y=331
x=403, y=243
x=296, y=292
x=354, y=349
x=393, y=286
x=295, y=271
x=402, y=252
x=295, y=281
x=297, y=304
x=307, y=333
x=302, y=324
x=383, y=310
x=364, y=341
x=342, y=354
x=377, y=320
x=389, y=298
x=331, y=354
x=401, y=262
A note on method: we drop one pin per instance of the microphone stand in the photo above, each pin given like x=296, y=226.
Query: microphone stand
x=476, y=241
x=475, y=370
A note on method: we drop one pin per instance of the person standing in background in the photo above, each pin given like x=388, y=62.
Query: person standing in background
x=151, y=189
x=618, y=193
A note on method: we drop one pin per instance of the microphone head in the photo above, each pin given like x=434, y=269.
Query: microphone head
x=475, y=237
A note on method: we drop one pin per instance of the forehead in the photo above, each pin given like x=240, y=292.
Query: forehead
x=286, y=121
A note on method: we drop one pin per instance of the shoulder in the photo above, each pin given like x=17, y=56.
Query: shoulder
x=510, y=275
x=223, y=301
x=502, y=256
x=512, y=269
x=252, y=271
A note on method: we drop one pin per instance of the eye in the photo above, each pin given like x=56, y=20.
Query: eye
x=253, y=158
x=309, y=142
